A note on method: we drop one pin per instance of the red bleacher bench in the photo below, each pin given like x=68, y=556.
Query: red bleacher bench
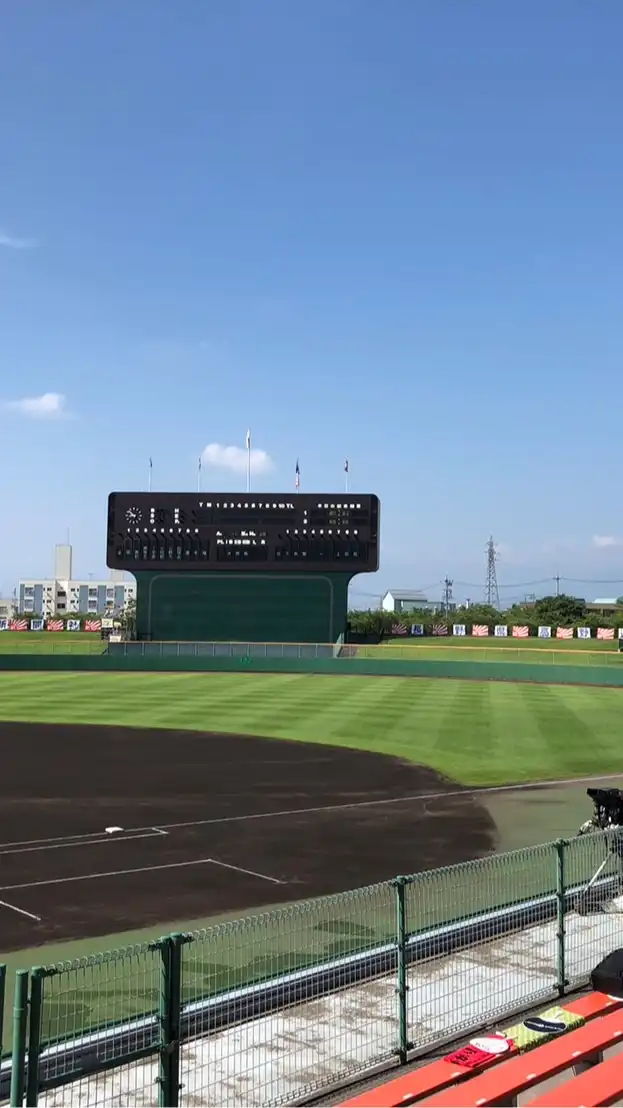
x=602, y=1084
x=503, y=1083
x=432, y=1079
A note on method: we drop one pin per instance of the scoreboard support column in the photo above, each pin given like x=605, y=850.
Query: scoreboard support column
x=242, y=607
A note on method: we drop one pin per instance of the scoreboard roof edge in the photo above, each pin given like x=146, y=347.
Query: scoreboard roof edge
x=301, y=496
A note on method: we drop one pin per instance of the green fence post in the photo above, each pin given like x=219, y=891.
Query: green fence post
x=170, y=1020
x=402, y=989
x=20, y=1026
x=2, y=1001
x=561, y=904
x=34, y=1036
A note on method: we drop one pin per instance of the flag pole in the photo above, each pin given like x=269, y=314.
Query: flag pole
x=248, y=443
x=297, y=477
x=151, y=466
x=199, y=475
x=346, y=476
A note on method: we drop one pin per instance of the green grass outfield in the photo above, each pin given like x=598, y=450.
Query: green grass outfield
x=479, y=733
x=529, y=651
x=51, y=642
x=485, y=733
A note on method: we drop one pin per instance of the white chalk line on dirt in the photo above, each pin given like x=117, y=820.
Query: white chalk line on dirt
x=416, y=797
x=87, y=839
x=126, y=872
x=72, y=844
x=21, y=911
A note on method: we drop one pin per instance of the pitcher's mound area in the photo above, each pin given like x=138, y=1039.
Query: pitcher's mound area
x=205, y=824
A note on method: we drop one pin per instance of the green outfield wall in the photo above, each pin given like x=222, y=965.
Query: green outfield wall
x=241, y=662
x=242, y=606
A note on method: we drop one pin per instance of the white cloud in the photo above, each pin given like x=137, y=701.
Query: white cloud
x=234, y=458
x=603, y=542
x=51, y=405
x=12, y=242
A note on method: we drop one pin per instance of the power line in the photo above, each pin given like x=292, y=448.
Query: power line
x=518, y=585
x=591, y=581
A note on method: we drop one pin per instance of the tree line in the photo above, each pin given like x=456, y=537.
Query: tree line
x=549, y=611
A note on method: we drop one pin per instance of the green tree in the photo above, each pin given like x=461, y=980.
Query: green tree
x=560, y=611
x=127, y=618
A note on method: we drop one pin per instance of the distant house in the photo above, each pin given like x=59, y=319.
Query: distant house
x=605, y=606
x=405, y=600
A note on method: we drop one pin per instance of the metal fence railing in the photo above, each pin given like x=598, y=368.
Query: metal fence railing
x=591, y=654
x=276, y=1007
x=223, y=649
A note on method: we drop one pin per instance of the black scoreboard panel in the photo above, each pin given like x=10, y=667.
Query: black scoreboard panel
x=312, y=531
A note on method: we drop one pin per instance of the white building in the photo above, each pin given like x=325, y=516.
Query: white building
x=62, y=594
x=405, y=600
x=8, y=607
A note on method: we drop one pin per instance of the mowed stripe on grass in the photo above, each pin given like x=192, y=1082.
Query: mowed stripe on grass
x=479, y=733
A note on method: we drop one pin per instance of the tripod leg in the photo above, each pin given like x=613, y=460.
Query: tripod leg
x=583, y=896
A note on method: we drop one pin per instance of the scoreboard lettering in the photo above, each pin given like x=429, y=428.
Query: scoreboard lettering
x=264, y=531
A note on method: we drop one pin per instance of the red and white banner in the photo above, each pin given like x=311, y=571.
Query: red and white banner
x=399, y=629
x=480, y=630
x=605, y=632
x=55, y=625
x=18, y=625
x=93, y=625
x=564, y=632
x=521, y=632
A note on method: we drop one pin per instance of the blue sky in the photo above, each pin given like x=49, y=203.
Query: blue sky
x=387, y=231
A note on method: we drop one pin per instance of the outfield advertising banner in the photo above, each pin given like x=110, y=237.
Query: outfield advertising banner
x=545, y=632
x=584, y=632
x=41, y=624
x=459, y=629
x=500, y=631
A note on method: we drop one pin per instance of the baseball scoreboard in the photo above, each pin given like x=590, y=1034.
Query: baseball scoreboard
x=306, y=532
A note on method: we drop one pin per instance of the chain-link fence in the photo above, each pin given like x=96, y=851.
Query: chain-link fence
x=273, y=1008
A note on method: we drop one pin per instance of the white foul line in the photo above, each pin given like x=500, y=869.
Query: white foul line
x=465, y=792
x=22, y=912
x=163, y=829
x=24, y=849
x=125, y=872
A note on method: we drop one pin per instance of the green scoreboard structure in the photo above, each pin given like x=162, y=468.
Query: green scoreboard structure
x=242, y=567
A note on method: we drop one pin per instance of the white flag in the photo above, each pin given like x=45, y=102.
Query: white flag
x=248, y=440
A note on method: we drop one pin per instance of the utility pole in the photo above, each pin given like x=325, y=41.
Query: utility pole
x=557, y=580
x=492, y=594
x=447, y=594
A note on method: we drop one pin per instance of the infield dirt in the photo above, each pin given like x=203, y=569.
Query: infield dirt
x=211, y=823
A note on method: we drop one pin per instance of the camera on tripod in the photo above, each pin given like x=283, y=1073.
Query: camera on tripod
x=608, y=810
x=607, y=816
